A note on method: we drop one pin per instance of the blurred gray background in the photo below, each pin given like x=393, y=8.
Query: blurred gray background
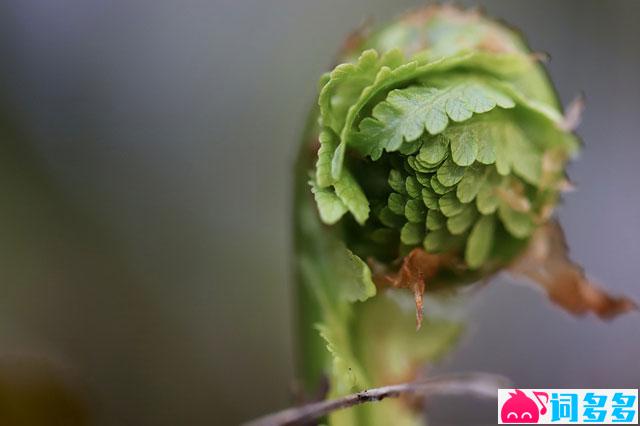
x=145, y=190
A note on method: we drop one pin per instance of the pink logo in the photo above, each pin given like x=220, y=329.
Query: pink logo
x=519, y=408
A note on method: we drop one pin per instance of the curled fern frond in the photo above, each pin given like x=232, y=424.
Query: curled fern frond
x=450, y=125
x=437, y=156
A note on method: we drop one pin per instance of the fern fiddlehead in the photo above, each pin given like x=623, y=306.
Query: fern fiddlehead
x=435, y=157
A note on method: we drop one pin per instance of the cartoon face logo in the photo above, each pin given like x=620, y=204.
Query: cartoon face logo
x=519, y=408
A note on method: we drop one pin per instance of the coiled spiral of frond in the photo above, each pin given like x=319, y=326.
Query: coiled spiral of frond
x=453, y=142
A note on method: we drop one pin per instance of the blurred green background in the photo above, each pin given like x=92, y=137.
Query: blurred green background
x=145, y=172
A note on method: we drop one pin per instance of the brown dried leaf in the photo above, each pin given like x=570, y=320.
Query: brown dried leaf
x=417, y=268
x=546, y=262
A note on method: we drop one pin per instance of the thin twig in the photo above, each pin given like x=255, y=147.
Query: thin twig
x=477, y=384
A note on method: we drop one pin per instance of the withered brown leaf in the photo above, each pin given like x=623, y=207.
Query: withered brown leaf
x=417, y=268
x=546, y=262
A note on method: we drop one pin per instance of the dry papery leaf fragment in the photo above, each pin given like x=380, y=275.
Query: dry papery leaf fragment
x=417, y=268
x=547, y=264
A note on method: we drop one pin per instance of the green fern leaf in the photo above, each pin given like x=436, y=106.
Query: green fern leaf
x=470, y=183
x=407, y=113
x=519, y=224
x=349, y=191
x=462, y=221
x=435, y=220
x=449, y=174
x=345, y=83
x=480, y=242
x=450, y=205
x=328, y=143
x=388, y=79
x=396, y=181
x=330, y=206
x=430, y=198
x=415, y=211
x=412, y=233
